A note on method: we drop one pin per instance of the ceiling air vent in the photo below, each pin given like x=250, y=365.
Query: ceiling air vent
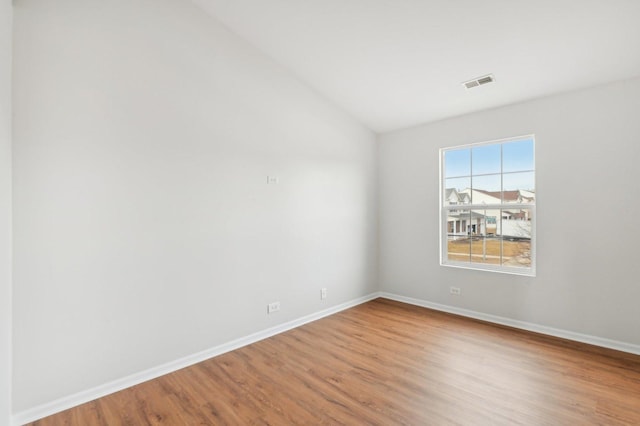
x=479, y=81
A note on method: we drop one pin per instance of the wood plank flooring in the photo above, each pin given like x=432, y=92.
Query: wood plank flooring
x=386, y=363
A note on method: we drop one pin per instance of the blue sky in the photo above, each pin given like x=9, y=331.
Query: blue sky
x=517, y=162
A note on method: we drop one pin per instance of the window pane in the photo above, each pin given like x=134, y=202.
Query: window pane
x=456, y=191
x=515, y=228
x=458, y=227
x=459, y=184
x=492, y=218
x=488, y=199
x=485, y=245
x=486, y=189
x=485, y=159
x=519, y=187
x=457, y=162
x=517, y=156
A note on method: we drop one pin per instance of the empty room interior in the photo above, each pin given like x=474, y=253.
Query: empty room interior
x=319, y=212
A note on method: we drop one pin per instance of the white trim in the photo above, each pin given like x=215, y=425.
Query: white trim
x=522, y=325
x=444, y=247
x=70, y=401
x=513, y=270
x=82, y=397
x=490, y=142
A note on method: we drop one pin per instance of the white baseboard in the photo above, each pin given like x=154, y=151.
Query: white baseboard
x=74, y=400
x=523, y=325
x=70, y=401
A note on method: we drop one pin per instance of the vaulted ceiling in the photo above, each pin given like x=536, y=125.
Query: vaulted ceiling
x=398, y=63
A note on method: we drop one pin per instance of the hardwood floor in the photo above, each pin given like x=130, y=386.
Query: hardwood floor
x=386, y=363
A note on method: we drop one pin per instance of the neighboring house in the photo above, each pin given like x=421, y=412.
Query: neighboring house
x=514, y=222
x=452, y=196
x=458, y=221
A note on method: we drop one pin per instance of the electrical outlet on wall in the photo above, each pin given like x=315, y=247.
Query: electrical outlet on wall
x=273, y=307
x=323, y=293
x=454, y=290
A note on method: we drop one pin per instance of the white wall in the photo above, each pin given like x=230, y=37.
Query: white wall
x=5, y=211
x=144, y=229
x=587, y=150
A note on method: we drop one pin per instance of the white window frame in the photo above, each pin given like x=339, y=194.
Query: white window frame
x=444, y=261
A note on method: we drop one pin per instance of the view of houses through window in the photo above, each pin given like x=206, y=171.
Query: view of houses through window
x=488, y=206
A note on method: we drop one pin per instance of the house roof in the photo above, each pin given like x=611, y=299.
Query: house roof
x=464, y=215
x=507, y=195
x=459, y=195
x=448, y=191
